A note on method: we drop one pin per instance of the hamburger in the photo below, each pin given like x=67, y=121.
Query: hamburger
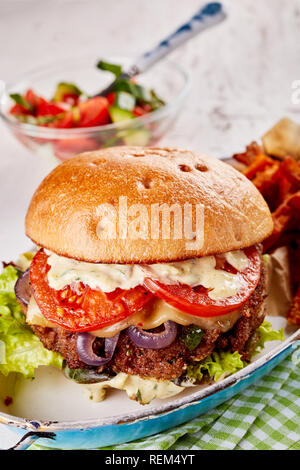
x=149, y=275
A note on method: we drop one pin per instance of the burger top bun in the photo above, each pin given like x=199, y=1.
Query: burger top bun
x=79, y=209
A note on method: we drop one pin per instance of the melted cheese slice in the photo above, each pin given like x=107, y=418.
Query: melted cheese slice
x=35, y=317
x=154, y=314
x=108, y=277
x=158, y=312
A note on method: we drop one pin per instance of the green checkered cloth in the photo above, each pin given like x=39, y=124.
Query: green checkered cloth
x=266, y=416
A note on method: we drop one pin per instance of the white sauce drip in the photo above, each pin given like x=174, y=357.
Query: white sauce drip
x=143, y=390
x=107, y=277
x=237, y=259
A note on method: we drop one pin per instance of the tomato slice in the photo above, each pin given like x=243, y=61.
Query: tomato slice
x=46, y=108
x=32, y=98
x=139, y=111
x=94, y=112
x=111, y=98
x=71, y=99
x=196, y=301
x=19, y=110
x=85, y=309
x=142, y=109
x=65, y=121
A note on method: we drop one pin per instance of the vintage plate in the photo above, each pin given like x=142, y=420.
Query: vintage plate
x=55, y=405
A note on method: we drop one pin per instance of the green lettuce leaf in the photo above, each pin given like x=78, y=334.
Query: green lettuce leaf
x=116, y=69
x=19, y=99
x=192, y=337
x=266, y=333
x=223, y=363
x=20, y=350
x=218, y=365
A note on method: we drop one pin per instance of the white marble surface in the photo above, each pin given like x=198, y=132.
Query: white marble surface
x=242, y=73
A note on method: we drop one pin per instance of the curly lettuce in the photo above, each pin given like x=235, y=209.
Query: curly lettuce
x=20, y=350
x=220, y=364
x=266, y=333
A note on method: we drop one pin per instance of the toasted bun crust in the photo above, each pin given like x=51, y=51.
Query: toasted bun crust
x=64, y=213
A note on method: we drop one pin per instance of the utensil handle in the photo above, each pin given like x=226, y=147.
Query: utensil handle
x=28, y=439
x=209, y=15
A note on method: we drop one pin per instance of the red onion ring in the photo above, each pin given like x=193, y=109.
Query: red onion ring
x=85, y=351
x=148, y=340
x=22, y=288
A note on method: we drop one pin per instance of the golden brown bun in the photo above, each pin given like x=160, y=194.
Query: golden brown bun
x=63, y=214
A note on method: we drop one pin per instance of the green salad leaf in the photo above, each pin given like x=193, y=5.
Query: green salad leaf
x=19, y=99
x=2, y=352
x=218, y=365
x=156, y=101
x=138, y=91
x=123, y=85
x=266, y=333
x=86, y=376
x=113, y=68
x=192, y=337
x=20, y=349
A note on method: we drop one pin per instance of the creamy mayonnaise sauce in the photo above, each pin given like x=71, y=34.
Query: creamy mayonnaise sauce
x=142, y=390
x=108, y=277
x=237, y=259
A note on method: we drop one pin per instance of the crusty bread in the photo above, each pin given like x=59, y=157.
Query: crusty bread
x=63, y=215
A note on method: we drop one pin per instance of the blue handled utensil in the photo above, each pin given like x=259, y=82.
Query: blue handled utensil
x=29, y=438
x=209, y=15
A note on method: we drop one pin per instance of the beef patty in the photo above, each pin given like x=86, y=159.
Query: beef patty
x=170, y=362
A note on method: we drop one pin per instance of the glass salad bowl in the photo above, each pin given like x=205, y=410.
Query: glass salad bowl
x=168, y=80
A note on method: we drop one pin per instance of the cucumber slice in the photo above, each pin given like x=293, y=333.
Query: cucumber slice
x=119, y=115
x=138, y=137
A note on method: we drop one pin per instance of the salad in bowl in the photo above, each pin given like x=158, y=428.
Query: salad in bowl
x=61, y=110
